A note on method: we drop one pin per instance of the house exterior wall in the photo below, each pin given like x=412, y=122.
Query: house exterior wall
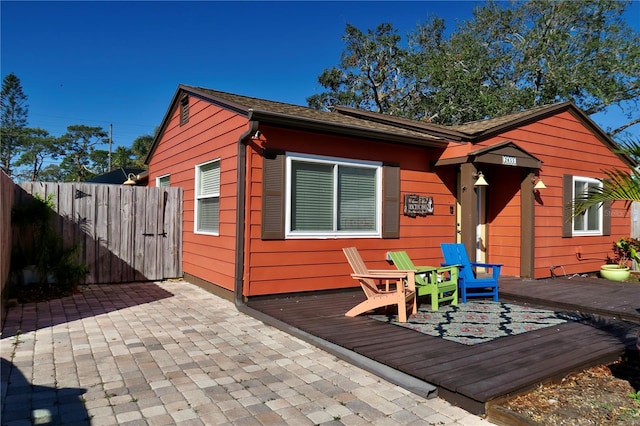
x=565, y=145
x=562, y=142
x=503, y=219
x=211, y=133
x=289, y=265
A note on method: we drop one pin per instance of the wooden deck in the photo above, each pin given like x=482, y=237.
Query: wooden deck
x=473, y=376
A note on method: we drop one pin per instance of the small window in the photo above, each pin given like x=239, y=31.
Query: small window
x=590, y=222
x=162, y=181
x=184, y=110
x=207, y=203
x=332, y=197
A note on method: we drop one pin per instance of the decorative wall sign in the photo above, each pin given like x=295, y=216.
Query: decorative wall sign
x=417, y=205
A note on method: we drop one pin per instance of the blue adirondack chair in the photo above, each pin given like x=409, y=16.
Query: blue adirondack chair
x=470, y=284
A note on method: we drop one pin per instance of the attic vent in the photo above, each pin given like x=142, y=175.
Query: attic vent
x=184, y=110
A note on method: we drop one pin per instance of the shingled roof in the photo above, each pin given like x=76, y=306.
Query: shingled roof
x=303, y=117
x=481, y=127
x=470, y=131
x=117, y=176
x=371, y=125
x=436, y=129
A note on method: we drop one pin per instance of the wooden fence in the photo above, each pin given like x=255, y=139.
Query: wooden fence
x=6, y=201
x=124, y=233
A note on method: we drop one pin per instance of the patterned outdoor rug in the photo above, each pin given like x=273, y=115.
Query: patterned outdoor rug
x=476, y=322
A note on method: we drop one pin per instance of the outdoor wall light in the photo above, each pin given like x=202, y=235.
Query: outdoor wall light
x=480, y=180
x=539, y=184
x=131, y=180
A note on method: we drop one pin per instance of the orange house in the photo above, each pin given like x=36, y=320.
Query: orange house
x=273, y=191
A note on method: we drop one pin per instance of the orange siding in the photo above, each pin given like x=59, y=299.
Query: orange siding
x=564, y=145
x=211, y=133
x=503, y=219
x=562, y=142
x=312, y=264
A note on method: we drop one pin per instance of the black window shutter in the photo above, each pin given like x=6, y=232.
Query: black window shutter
x=273, y=193
x=567, y=206
x=390, y=201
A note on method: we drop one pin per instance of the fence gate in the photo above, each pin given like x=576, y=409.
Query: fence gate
x=124, y=233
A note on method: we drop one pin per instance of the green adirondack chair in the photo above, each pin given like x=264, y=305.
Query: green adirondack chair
x=441, y=283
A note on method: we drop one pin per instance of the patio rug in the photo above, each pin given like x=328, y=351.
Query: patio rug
x=476, y=322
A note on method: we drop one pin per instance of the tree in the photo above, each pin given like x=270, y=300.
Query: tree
x=369, y=75
x=67, y=171
x=13, y=120
x=78, y=144
x=542, y=52
x=52, y=173
x=508, y=57
x=37, y=146
x=140, y=149
x=449, y=77
x=123, y=157
x=99, y=163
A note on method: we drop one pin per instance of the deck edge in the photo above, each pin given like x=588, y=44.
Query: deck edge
x=408, y=382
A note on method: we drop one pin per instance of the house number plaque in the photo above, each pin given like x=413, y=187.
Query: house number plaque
x=417, y=205
x=508, y=160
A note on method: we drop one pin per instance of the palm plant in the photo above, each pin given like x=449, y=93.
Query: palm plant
x=620, y=185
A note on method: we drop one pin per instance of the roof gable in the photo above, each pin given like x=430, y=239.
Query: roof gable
x=482, y=130
x=485, y=128
x=504, y=153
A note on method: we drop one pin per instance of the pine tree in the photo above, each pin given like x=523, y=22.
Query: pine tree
x=13, y=120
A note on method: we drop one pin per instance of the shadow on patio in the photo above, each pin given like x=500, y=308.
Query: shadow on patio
x=42, y=405
x=92, y=300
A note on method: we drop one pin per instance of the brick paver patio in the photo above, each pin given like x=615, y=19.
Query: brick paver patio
x=172, y=353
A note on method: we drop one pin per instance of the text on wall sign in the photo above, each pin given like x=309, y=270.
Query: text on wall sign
x=417, y=205
x=508, y=160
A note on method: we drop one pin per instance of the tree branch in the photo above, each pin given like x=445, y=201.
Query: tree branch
x=624, y=126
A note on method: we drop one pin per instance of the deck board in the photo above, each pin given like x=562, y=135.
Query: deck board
x=472, y=376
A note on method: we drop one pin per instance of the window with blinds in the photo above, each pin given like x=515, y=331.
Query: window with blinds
x=162, y=181
x=207, y=214
x=331, y=197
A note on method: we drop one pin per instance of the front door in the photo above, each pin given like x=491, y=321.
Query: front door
x=479, y=229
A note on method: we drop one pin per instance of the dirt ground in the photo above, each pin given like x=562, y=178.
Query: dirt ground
x=602, y=395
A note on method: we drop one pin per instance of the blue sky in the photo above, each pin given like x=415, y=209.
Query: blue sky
x=119, y=63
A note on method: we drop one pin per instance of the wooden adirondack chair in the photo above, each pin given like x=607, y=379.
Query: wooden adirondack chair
x=377, y=296
x=439, y=283
x=467, y=280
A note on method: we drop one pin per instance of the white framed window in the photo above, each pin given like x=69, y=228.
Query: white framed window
x=162, y=181
x=332, y=198
x=207, y=198
x=589, y=222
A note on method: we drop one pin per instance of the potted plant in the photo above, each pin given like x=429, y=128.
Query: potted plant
x=625, y=250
